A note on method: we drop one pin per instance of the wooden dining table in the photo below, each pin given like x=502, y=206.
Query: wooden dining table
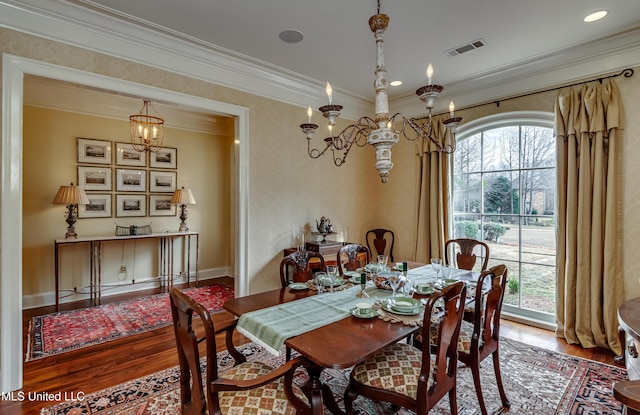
x=338, y=345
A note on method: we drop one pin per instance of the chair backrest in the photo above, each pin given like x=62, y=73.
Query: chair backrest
x=382, y=240
x=444, y=310
x=488, y=308
x=348, y=260
x=464, y=252
x=182, y=309
x=299, y=261
x=192, y=393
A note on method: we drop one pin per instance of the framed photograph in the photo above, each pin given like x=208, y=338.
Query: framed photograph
x=166, y=158
x=94, y=151
x=162, y=181
x=126, y=155
x=131, y=180
x=99, y=206
x=160, y=205
x=131, y=205
x=94, y=178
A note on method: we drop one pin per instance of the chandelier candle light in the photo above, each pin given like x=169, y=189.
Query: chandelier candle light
x=146, y=131
x=383, y=131
x=72, y=196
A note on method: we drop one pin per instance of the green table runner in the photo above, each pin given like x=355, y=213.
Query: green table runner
x=271, y=326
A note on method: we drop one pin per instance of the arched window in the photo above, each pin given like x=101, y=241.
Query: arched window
x=504, y=192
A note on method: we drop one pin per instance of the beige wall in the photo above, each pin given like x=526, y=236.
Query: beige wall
x=287, y=189
x=50, y=160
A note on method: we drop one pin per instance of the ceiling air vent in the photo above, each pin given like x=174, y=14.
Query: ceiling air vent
x=465, y=48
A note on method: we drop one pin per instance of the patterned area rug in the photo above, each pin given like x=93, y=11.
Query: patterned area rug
x=64, y=331
x=537, y=382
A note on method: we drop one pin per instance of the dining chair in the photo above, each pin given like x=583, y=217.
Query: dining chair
x=465, y=253
x=300, y=262
x=481, y=338
x=245, y=388
x=410, y=377
x=348, y=258
x=380, y=238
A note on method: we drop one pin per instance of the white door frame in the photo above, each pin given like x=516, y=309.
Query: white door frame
x=13, y=70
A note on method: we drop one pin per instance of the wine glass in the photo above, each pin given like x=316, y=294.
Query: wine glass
x=382, y=263
x=332, y=272
x=394, y=281
x=436, y=264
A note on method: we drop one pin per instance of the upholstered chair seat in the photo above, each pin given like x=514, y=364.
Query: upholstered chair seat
x=268, y=398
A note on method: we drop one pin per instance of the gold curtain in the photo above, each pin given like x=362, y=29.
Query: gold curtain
x=432, y=190
x=590, y=285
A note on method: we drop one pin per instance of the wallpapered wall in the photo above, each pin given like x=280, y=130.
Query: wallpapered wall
x=288, y=190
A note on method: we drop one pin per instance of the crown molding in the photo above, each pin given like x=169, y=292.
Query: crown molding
x=563, y=67
x=77, y=26
x=65, y=22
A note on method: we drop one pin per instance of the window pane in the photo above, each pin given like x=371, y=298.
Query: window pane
x=501, y=192
x=500, y=149
x=467, y=155
x=538, y=288
x=512, y=293
x=538, y=192
x=538, y=147
x=467, y=193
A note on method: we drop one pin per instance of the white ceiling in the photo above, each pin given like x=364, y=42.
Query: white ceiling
x=339, y=47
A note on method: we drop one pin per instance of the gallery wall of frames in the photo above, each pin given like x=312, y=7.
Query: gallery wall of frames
x=122, y=182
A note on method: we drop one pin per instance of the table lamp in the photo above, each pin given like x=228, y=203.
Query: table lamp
x=183, y=197
x=72, y=196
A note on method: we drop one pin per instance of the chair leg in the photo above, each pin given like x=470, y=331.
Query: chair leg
x=349, y=397
x=475, y=371
x=287, y=354
x=453, y=400
x=496, y=369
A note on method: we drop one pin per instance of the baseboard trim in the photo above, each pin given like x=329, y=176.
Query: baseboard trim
x=48, y=298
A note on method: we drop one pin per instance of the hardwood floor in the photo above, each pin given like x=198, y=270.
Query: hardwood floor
x=94, y=368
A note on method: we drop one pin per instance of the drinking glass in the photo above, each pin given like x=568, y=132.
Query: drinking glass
x=320, y=279
x=446, y=271
x=436, y=264
x=298, y=239
x=332, y=273
x=382, y=263
x=394, y=281
x=408, y=288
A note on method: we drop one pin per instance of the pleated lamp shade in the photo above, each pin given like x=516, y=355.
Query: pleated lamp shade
x=71, y=195
x=183, y=197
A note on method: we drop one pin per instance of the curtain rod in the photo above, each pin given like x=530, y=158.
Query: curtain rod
x=627, y=73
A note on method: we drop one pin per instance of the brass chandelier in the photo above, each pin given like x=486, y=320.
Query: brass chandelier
x=382, y=131
x=146, y=130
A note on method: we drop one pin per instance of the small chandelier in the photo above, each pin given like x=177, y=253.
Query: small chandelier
x=146, y=131
x=382, y=131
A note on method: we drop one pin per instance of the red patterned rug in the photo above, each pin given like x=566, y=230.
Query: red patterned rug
x=64, y=331
x=537, y=382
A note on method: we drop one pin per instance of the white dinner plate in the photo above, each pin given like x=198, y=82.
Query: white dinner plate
x=299, y=286
x=387, y=307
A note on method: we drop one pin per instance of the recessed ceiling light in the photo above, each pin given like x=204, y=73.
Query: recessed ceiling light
x=291, y=36
x=395, y=83
x=595, y=16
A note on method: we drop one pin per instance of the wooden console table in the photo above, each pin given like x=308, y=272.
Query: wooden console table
x=165, y=245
